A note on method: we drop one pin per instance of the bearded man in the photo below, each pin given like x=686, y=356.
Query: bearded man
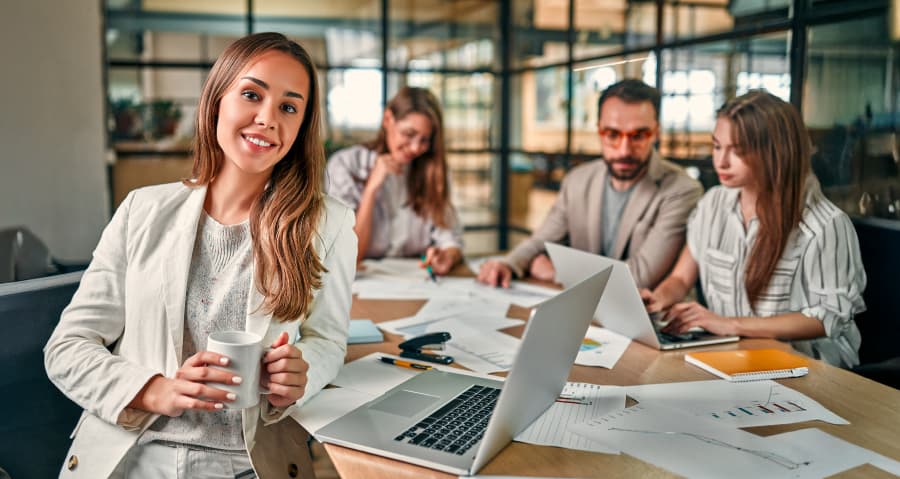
x=632, y=205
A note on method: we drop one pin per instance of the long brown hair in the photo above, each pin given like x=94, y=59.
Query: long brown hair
x=284, y=221
x=769, y=135
x=427, y=182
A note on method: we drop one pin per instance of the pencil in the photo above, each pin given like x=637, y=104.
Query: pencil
x=404, y=364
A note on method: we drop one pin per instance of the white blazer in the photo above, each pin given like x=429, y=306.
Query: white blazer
x=126, y=321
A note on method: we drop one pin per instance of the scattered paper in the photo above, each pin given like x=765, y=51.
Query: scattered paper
x=370, y=375
x=484, y=351
x=521, y=293
x=758, y=403
x=385, y=287
x=453, y=316
x=832, y=455
x=328, y=405
x=601, y=347
x=587, y=401
x=695, y=447
x=410, y=268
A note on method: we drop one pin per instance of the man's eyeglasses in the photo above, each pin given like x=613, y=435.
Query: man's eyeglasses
x=613, y=137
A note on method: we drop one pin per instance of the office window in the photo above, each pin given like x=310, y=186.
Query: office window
x=776, y=84
x=443, y=33
x=852, y=108
x=601, y=26
x=590, y=79
x=691, y=104
x=540, y=122
x=539, y=32
x=354, y=101
x=335, y=32
x=697, y=80
x=684, y=20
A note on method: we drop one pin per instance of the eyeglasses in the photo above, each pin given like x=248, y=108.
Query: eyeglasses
x=614, y=138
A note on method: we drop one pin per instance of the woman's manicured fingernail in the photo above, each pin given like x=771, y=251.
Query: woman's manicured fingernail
x=237, y=380
x=223, y=361
x=219, y=405
x=231, y=396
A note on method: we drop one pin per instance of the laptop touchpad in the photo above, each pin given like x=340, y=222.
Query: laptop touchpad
x=404, y=403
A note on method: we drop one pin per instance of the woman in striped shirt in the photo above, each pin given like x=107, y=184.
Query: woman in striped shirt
x=775, y=258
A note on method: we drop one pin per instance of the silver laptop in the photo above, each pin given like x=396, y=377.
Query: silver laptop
x=457, y=423
x=621, y=308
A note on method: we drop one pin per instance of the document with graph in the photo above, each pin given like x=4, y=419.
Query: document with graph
x=693, y=447
x=577, y=403
x=601, y=347
x=759, y=403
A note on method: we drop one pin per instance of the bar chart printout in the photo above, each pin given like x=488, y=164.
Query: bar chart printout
x=757, y=403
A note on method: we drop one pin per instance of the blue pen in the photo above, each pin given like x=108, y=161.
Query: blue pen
x=430, y=271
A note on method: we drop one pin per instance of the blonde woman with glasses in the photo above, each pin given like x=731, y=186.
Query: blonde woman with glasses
x=399, y=185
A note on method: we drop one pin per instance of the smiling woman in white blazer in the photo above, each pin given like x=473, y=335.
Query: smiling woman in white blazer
x=128, y=348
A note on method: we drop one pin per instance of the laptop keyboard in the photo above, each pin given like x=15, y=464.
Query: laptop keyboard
x=457, y=425
x=667, y=338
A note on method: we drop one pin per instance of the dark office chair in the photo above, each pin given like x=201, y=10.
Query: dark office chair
x=23, y=255
x=37, y=418
x=879, y=244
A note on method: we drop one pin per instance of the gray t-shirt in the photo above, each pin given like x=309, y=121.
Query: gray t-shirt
x=613, y=204
x=216, y=300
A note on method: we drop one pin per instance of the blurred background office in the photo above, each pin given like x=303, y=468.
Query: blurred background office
x=102, y=92
x=99, y=98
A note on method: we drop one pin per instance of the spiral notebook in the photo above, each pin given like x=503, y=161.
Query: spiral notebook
x=750, y=364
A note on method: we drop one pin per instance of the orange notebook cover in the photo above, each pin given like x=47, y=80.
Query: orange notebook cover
x=750, y=364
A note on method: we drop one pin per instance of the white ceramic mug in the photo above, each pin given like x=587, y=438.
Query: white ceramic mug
x=244, y=351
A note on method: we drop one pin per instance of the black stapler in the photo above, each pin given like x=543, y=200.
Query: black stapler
x=414, y=348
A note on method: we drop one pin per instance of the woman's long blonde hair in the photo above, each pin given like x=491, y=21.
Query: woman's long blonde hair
x=427, y=182
x=769, y=135
x=284, y=221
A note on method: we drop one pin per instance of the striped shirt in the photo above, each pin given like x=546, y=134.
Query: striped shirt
x=396, y=229
x=820, y=273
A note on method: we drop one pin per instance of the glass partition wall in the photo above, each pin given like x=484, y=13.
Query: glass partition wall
x=519, y=82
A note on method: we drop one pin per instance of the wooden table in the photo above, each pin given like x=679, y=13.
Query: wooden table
x=872, y=409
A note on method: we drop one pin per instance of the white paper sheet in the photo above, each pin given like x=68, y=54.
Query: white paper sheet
x=410, y=268
x=439, y=308
x=695, y=447
x=601, y=347
x=369, y=375
x=552, y=427
x=328, y=405
x=484, y=351
x=454, y=316
x=832, y=455
x=457, y=327
x=386, y=287
x=758, y=403
x=521, y=293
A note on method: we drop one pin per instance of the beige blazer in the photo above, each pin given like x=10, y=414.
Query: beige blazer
x=131, y=299
x=651, y=231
